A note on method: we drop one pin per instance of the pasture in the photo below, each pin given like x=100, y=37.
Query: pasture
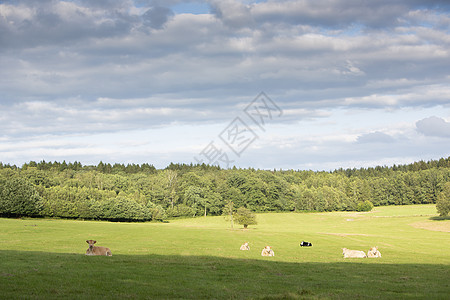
x=200, y=258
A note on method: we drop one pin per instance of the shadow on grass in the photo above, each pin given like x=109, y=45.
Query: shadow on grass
x=440, y=218
x=42, y=275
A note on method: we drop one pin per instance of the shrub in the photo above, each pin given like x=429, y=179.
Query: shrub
x=124, y=209
x=157, y=212
x=364, y=206
x=443, y=201
x=180, y=210
x=18, y=198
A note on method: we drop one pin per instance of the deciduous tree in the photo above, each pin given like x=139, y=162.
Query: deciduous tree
x=245, y=216
x=18, y=197
x=443, y=200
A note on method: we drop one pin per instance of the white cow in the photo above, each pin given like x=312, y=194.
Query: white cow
x=373, y=252
x=267, y=251
x=353, y=253
x=245, y=246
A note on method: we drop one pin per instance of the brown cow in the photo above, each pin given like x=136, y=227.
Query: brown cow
x=94, y=250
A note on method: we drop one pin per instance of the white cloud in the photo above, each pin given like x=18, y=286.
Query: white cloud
x=434, y=126
x=375, y=137
x=109, y=67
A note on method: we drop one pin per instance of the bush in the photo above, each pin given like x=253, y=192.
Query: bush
x=157, y=212
x=18, y=198
x=180, y=210
x=443, y=201
x=364, y=206
x=124, y=209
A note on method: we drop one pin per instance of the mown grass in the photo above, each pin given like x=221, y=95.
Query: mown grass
x=200, y=258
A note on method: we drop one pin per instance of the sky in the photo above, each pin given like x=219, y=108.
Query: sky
x=303, y=85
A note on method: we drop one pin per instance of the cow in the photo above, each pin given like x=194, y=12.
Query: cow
x=305, y=244
x=245, y=246
x=373, y=252
x=94, y=250
x=267, y=251
x=353, y=253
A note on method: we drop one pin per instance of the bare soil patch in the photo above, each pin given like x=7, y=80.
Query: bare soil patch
x=443, y=226
x=343, y=234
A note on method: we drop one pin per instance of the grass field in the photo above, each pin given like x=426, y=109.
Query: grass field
x=200, y=258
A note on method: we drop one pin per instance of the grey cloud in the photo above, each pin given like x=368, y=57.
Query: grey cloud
x=330, y=13
x=375, y=137
x=333, y=14
x=103, y=4
x=54, y=23
x=76, y=116
x=100, y=52
x=165, y=3
x=157, y=16
x=434, y=126
x=233, y=13
x=107, y=4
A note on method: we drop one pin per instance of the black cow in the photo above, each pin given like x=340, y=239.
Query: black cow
x=305, y=244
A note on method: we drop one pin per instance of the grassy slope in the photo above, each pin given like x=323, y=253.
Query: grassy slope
x=200, y=258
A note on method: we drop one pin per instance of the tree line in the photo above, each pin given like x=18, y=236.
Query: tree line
x=135, y=192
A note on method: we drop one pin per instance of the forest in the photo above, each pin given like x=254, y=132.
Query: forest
x=136, y=192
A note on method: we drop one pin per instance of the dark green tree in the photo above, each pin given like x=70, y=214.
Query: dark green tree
x=195, y=198
x=443, y=201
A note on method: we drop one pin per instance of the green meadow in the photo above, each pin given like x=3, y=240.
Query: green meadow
x=200, y=258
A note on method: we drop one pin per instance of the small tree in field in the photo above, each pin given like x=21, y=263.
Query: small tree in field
x=364, y=206
x=443, y=201
x=244, y=216
x=228, y=212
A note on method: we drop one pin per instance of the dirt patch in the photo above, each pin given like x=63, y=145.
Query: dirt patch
x=343, y=234
x=443, y=226
x=358, y=214
x=406, y=216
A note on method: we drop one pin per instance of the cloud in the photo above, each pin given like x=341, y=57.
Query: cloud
x=414, y=96
x=329, y=14
x=375, y=137
x=58, y=23
x=373, y=14
x=233, y=13
x=96, y=67
x=434, y=126
x=157, y=16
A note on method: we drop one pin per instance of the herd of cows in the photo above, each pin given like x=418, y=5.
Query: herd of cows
x=267, y=251
x=373, y=252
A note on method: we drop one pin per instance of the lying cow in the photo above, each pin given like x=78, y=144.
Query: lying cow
x=94, y=250
x=305, y=244
x=353, y=253
x=373, y=252
x=245, y=246
x=267, y=251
